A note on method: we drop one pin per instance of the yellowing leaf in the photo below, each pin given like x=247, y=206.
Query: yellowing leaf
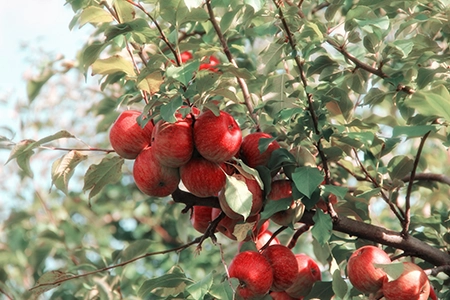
x=241, y=230
x=151, y=83
x=63, y=169
x=113, y=65
x=48, y=281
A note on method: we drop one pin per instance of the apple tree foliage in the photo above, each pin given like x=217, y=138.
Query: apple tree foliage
x=356, y=92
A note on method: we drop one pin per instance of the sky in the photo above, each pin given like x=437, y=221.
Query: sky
x=41, y=24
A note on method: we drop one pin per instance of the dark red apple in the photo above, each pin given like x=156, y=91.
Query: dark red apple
x=153, y=178
x=249, y=152
x=254, y=274
x=201, y=217
x=257, y=200
x=217, y=138
x=361, y=271
x=412, y=284
x=185, y=56
x=127, y=138
x=173, y=143
x=282, y=189
x=202, y=177
x=307, y=274
x=284, y=266
x=209, y=64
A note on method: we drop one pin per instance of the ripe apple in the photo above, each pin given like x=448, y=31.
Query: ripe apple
x=173, y=143
x=153, y=178
x=264, y=237
x=217, y=138
x=257, y=200
x=249, y=152
x=282, y=189
x=185, y=56
x=227, y=226
x=254, y=273
x=213, y=61
x=127, y=138
x=201, y=217
x=412, y=284
x=283, y=296
x=364, y=276
x=307, y=274
x=202, y=177
x=284, y=266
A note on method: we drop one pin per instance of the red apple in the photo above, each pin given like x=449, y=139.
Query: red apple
x=202, y=177
x=282, y=189
x=173, y=143
x=361, y=271
x=257, y=200
x=213, y=61
x=217, y=138
x=250, y=153
x=283, y=296
x=412, y=284
x=264, y=237
x=185, y=56
x=201, y=217
x=127, y=138
x=254, y=274
x=307, y=274
x=153, y=178
x=284, y=266
x=227, y=226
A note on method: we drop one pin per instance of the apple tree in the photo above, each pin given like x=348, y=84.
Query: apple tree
x=190, y=137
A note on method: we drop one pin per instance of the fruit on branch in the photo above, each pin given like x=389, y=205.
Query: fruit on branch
x=210, y=64
x=250, y=153
x=173, y=143
x=217, y=138
x=307, y=274
x=323, y=205
x=227, y=226
x=202, y=177
x=254, y=273
x=185, y=56
x=284, y=266
x=282, y=189
x=361, y=271
x=127, y=138
x=153, y=178
x=283, y=296
x=257, y=197
x=412, y=284
x=264, y=237
x=201, y=217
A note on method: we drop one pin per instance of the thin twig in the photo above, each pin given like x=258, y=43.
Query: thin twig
x=57, y=282
x=304, y=228
x=267, y=244
x=407, y=219
x=4, y=293
x=78, y=149
x=226, y=50
x=429, y=177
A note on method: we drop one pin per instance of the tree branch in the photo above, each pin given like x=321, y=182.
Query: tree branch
x=407, y=219
x=226, y=50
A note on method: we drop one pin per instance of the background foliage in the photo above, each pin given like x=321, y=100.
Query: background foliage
x=358, y=88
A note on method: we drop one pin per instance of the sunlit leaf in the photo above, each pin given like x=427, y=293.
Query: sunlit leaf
x=323, y=225
x=434, y=102
x=151, y=83
x=199, y=289
x=109, y=170
x=94, y=15
x=238, y=197
x=113, y=65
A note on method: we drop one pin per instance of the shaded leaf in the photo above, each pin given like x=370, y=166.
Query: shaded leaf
x=168, y=110
x=46, y=282
x=340, y=287
x=136, y=249
x=400, y=166
x=307, y=179
x=183, y=73
x=199, y=289
x=171, y=280
x=323, y=225
x=109, y=170
x=35, y=85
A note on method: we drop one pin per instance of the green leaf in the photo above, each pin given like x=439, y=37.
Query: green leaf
x=238, y=197
x=113, y=65
x=173, y=11
x=320, y=63
x=339, y=191
x=138, y=25
x=199, y=289
x=91, y=53
x=322, y=290
x=271, y=207
x=340, y=287
x=63, y=169
x=45, y=282
x=413, y=131
x=240, y=72
x=136, y=249
x=184, y=73
x=109, y=170
x=400, y=166
x=393, y=270
x=168, y=110
x=171, y=280
x=125, y=10
x=151, y=82
x=434, y=102
x=222, y=291
x=307, y=179
x=94, y=15
x=35, y=85
x=323, y=226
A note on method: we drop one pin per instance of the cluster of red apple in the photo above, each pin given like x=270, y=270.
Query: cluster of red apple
x=366, y=273
x=210, y=63
x=275, y=270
